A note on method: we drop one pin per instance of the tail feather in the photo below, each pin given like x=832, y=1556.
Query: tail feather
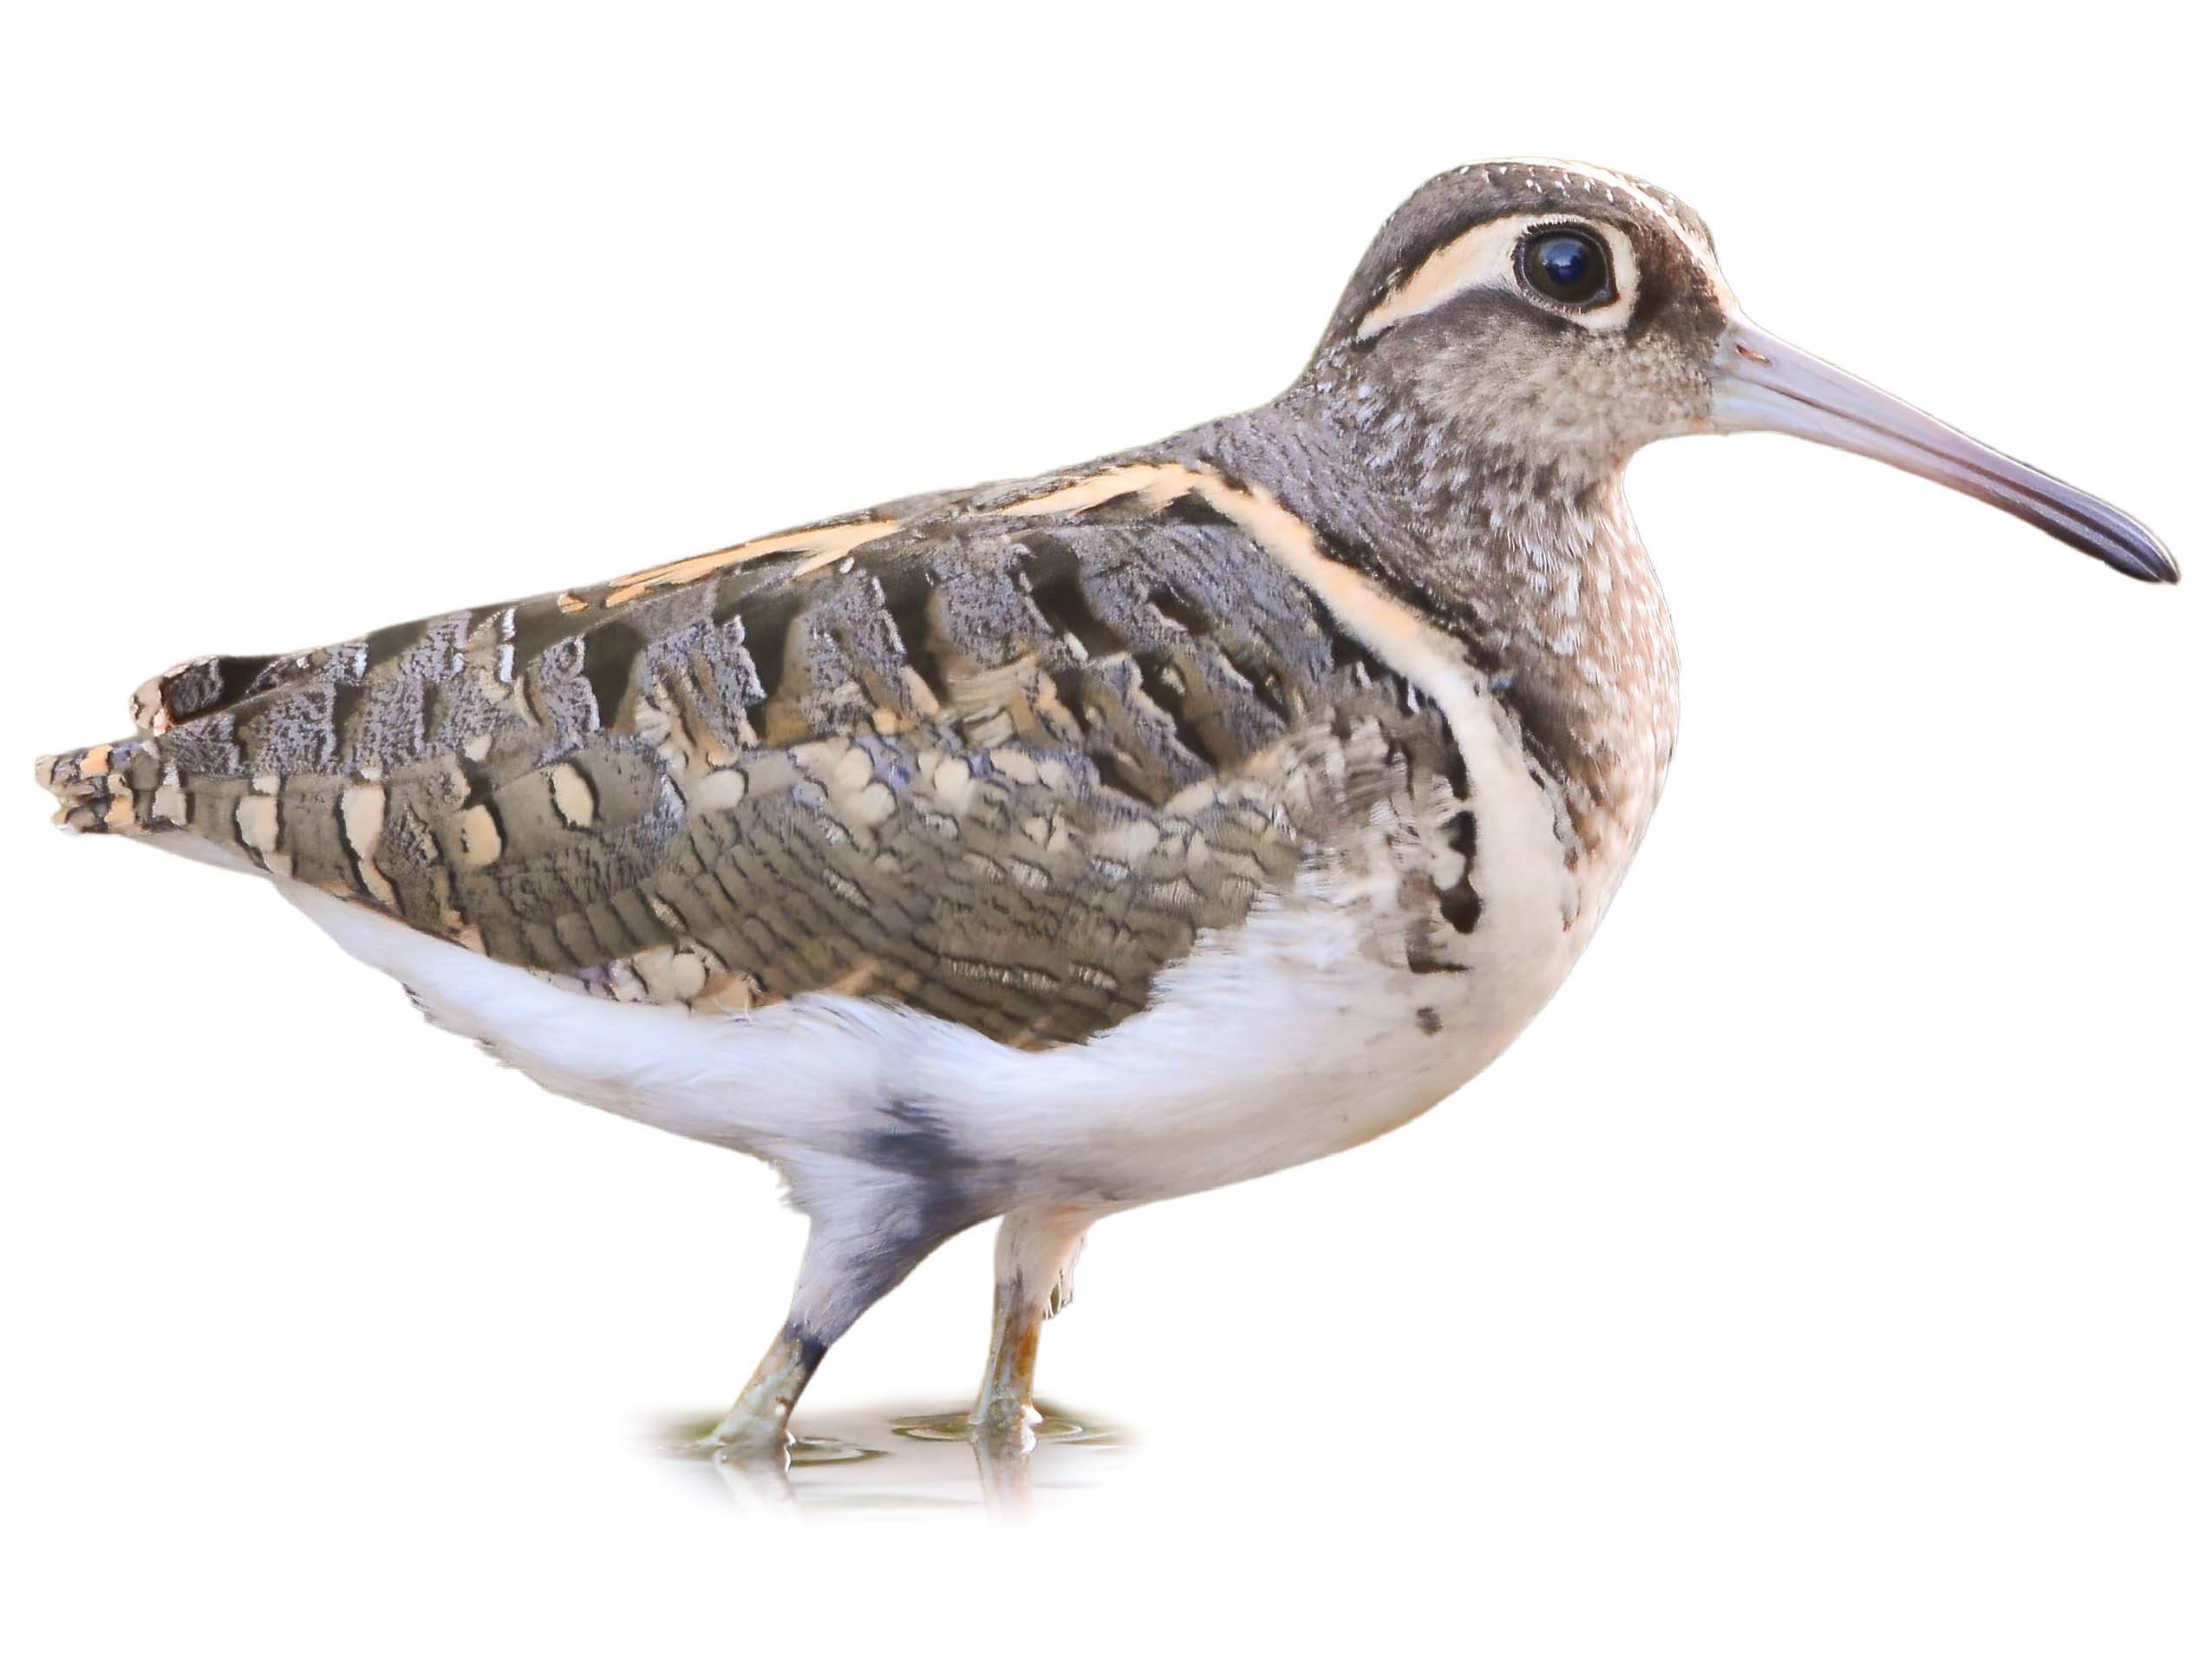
x=240, y=753
x=288, y=825
x=411, y=766
x=172, y=774
x=106, y=788
x=204, y=685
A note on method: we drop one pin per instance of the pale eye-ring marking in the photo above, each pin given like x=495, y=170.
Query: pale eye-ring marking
x=1497, y=255
x=1566, y=265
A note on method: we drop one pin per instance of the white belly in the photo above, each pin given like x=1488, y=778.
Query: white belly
x=1287, y=1038
x=1288, y=1042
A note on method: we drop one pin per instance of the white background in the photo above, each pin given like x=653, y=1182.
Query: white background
x=1825, y=1273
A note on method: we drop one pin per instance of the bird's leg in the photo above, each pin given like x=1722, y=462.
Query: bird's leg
x=761, y=1417
x=1036, y=1250
x=847, y=1268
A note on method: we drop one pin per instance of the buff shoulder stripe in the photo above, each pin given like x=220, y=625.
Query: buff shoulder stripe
x=1519, y=844
x=828, y=542
x=1157, y=483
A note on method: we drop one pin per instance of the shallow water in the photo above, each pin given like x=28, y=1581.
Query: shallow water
x=861, y=1463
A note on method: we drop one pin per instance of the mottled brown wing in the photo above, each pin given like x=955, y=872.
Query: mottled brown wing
x=1000, y=757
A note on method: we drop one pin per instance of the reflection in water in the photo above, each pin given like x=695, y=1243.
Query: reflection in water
x=854, y=1463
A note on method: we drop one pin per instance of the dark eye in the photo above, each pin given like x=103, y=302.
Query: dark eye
x=1568, y=266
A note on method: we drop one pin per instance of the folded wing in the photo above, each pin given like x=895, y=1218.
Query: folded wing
x=1003, y=757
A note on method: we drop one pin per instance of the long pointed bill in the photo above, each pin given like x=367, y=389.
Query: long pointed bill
x=1763, y=384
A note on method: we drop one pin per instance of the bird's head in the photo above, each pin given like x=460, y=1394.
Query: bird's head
x=1556, y=318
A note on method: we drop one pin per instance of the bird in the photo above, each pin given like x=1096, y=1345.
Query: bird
x=1037, y=851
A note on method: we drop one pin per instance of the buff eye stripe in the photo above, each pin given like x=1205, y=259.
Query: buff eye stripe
x=1469, y=260
x=1620, y=185
x=1485, y=256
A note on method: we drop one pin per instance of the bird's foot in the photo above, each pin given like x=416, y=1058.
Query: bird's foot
x=1005, y=1424
x=744, y=1441
x=1024, y=1428
x=742, y=1449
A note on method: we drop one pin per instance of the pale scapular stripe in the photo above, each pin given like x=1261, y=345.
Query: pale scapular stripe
x=1157, y=483
x=1398, y=635
x=1518, y=847
x=826, y=542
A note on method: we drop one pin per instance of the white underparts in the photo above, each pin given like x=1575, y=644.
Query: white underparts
x=1283, y=1039
x=1280, y=1041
